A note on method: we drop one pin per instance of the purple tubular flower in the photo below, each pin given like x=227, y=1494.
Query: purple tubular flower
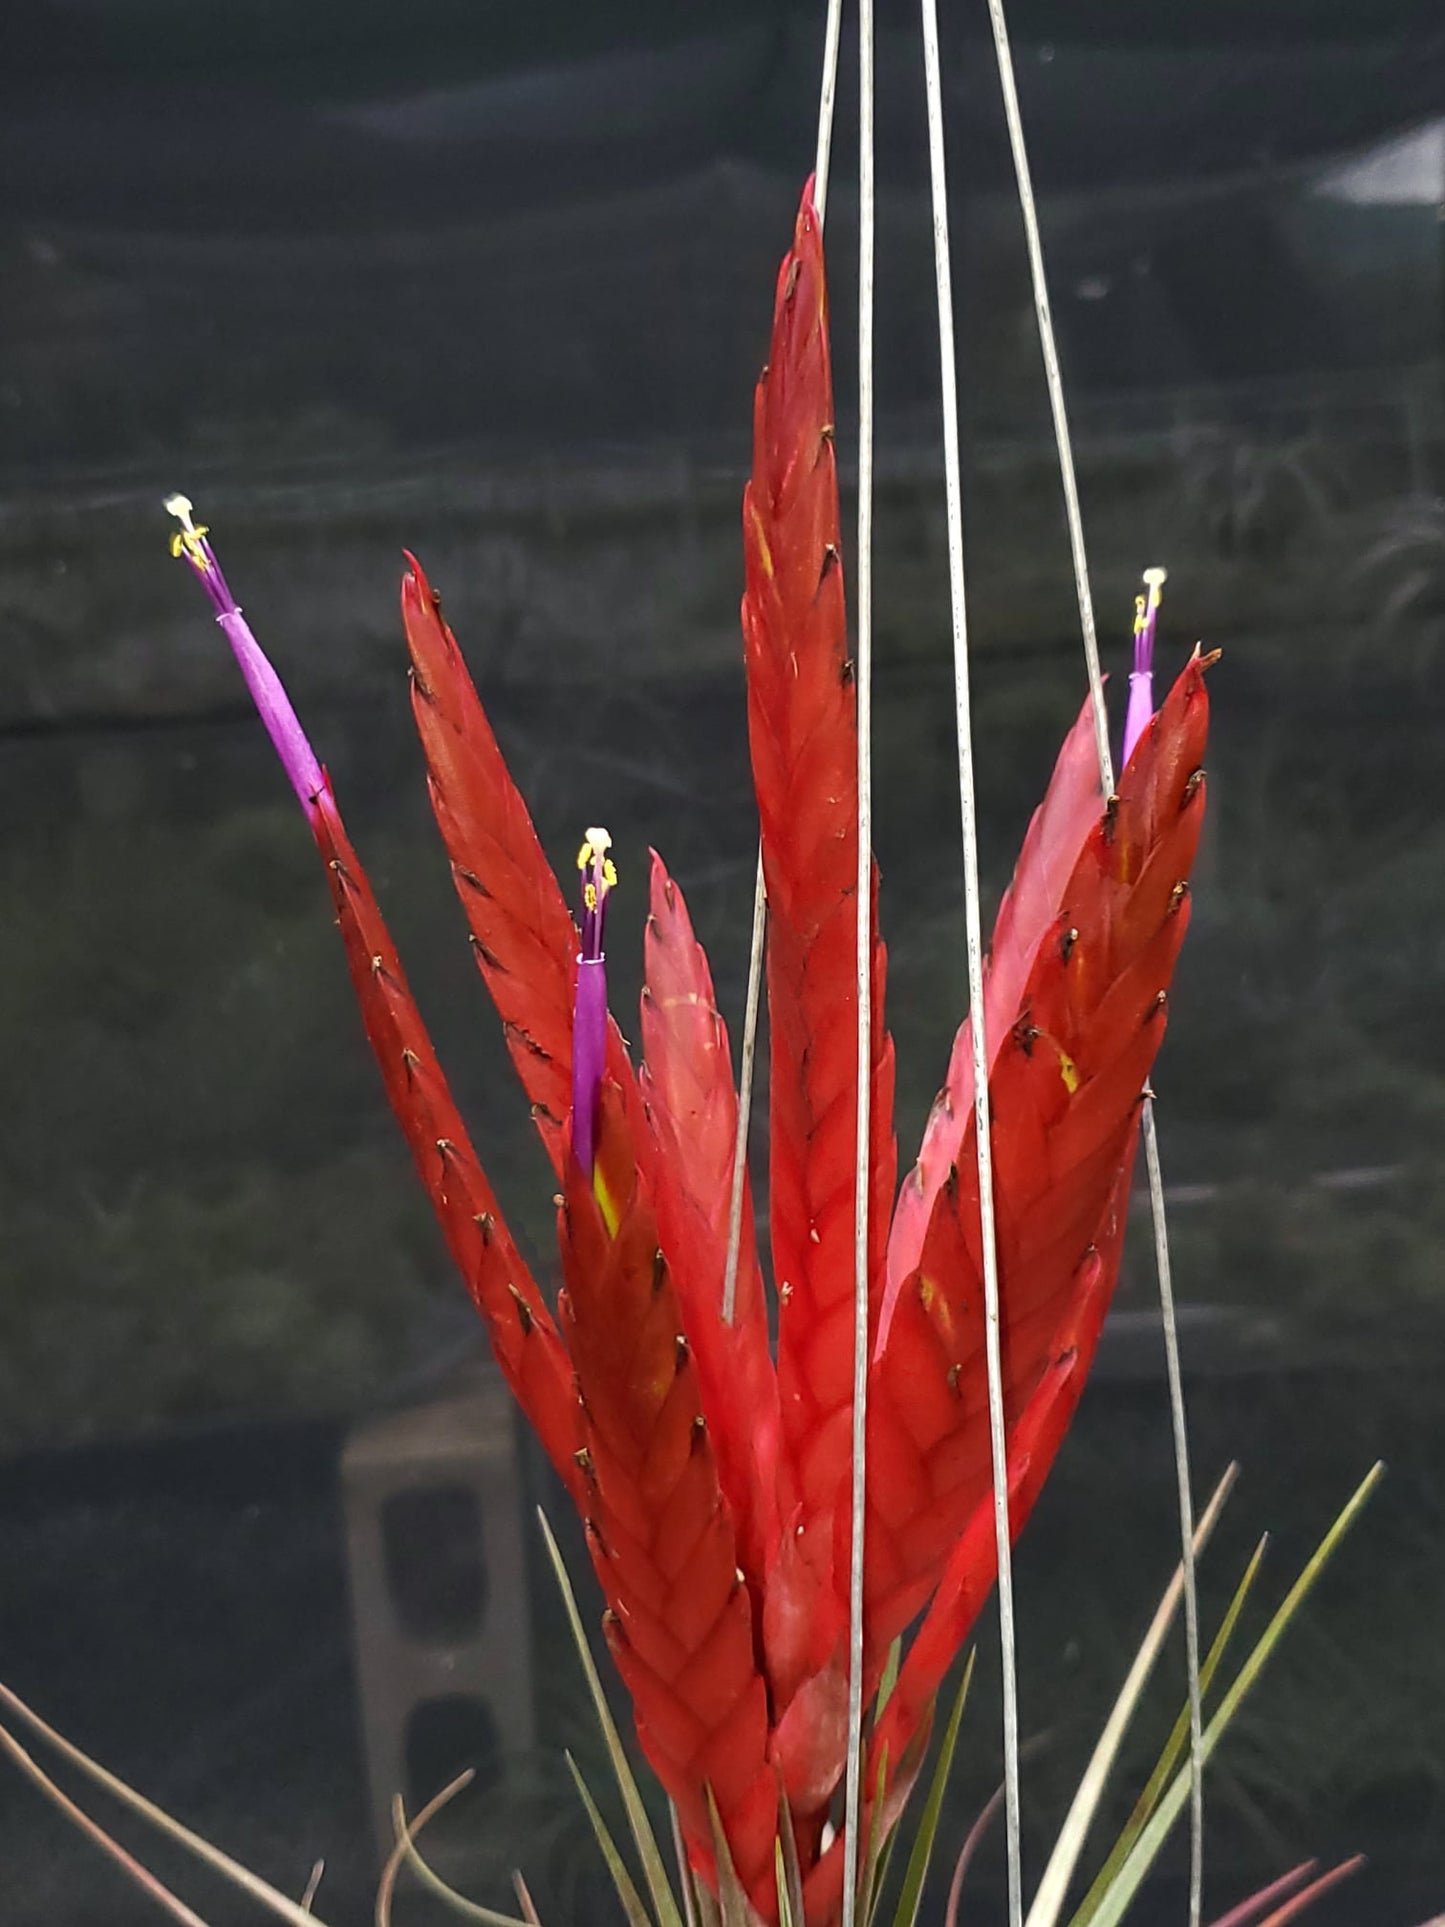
x=1141, y=679
x=589, y=1017
x=298, y=759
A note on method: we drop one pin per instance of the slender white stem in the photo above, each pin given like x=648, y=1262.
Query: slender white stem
x=974, y=926
x=1069, y=479
x=1186, y=1508
x=1055, y=385
x=745, y=1096
x=863, y=685
x=827, y=97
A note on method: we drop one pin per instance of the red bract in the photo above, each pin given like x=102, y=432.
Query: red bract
x=713, y=1478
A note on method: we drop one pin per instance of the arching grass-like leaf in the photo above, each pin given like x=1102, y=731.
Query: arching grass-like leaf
x=1125, y=1884
x=621, y=1879
x=910, y=1895
x=1053, y=1888
x=249, y=1883
x=665, y=1906
x=1173, y=1747
x=406, y=1852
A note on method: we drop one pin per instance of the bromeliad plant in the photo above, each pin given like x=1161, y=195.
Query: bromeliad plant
x=711, y=1466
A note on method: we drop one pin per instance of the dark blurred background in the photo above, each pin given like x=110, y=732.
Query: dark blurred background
x=494, y=283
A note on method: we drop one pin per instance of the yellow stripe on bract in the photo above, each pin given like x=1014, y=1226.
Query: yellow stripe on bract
x=765, y=554
x=1068, y=1070
x=606, y=1203
x=936, y=1304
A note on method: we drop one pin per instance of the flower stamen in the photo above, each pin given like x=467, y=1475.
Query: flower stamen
x=589, y=1018
x=190, y=543
x=1141, y=678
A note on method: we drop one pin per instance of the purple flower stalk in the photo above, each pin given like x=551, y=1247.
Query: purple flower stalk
x=589, y=1018
x=298, y=759
x=1141, y=679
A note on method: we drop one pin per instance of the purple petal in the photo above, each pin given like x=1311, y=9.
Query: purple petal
x=1140, y=712
x=589, y=1053
x=589, y=1017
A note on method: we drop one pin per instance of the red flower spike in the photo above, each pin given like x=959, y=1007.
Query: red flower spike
x=716, y=1487
x=1070, y=809
x=802, y=722
x=523, y=1336
x=686, y=1083
x=1070, y=1065
x=661, y=1536
x=523, y=936
x=972, y=1566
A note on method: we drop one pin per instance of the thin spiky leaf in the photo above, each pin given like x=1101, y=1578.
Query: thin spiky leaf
x=1126, y=1883
x=1255, y=1911
x=644, y=1839
x=888, y=1679
x=910, y=1894
x=792, y=1868
x=823, y=1881
x=1172, y=1751
x=524, y=1899
x=139, y=1875
x=787, y=1914
x=1052, y=1891
x=1300, y=1903
x=733, y=1901
x=1246, y=1912
x=256, y=1890
x=455, y=1903
x=622, y=1880
x=686, y=1881
x=405, y=1847
x=870, y=1862
x=709, y=1914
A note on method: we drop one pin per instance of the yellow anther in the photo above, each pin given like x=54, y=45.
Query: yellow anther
x=189, y=538
x=595, y=845
x=1146, y=605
